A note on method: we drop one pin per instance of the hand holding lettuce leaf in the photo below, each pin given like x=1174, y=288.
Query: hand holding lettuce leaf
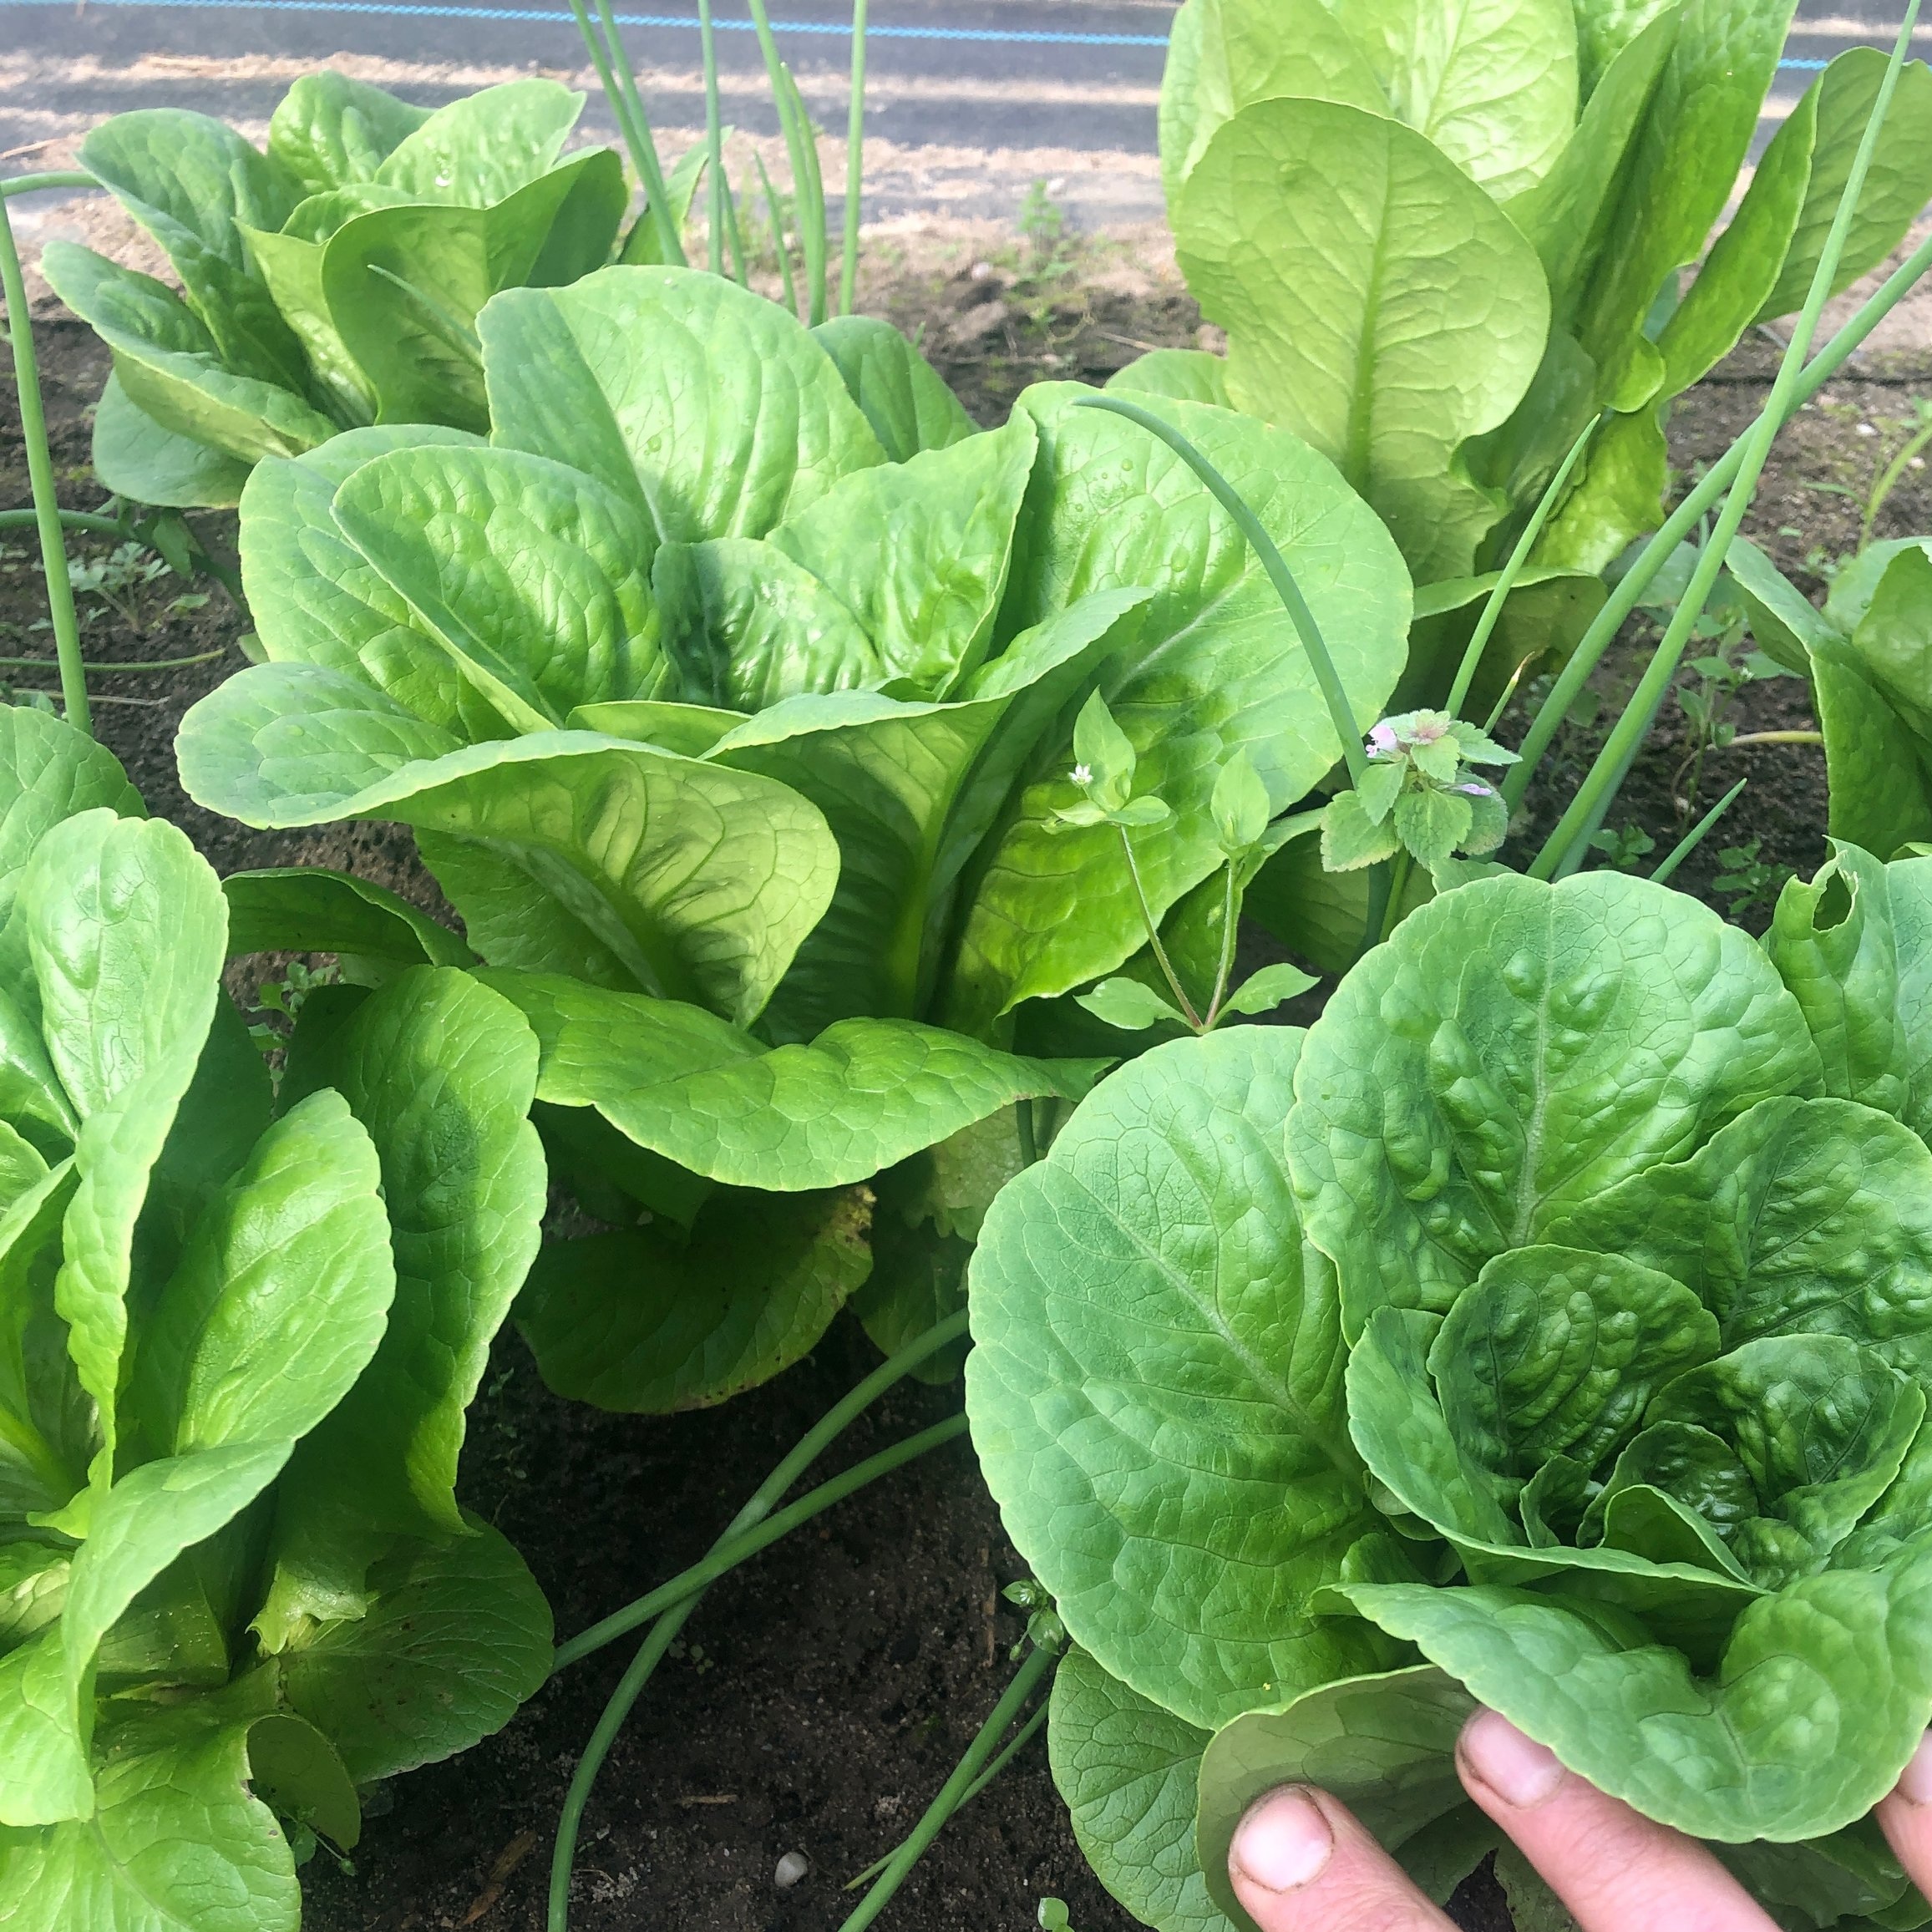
x=240, y=1332
x=1556, y=1308
x=332, y=281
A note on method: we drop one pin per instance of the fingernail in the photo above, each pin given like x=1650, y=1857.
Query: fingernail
x=1283, y=1843
x=1517, y=1769
x=1915, y=1780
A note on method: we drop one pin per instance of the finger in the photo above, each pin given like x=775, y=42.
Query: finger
x=1614, y=1867
x=1299, y=1861
x=1905, y=1817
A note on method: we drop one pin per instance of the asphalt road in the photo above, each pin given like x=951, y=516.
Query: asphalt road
x=968, y=100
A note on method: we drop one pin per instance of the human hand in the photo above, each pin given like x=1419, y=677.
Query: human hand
x=1301, y=1863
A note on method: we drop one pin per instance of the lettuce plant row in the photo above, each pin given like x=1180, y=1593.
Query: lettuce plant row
x=242, y=1324
x=331, y=280
x=831, y=794
x=685, y=575
x=1440, y=248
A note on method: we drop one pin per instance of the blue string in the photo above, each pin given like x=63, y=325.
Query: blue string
x=419, y=9
x=414, y=9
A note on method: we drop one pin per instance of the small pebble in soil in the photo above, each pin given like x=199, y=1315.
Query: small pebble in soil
x=791, y=1868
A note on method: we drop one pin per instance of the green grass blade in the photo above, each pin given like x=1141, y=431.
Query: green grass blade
x=1272, y=561
x=1021, y=1738
x=1698, y=834
x=808, y=194
x=35, y=183
x=80, y=520
x=40, y=480
x=735, y=235
x=775, y=209
x=802, y=153
x=952, y=1792
x=643, y=152
x=1506, y=581
x=714, y=184
x=628, y=105
x=807, y=1451
x=854, y=163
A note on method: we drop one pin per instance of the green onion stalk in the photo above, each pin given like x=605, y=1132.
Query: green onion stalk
x=956, y=1789
x=46, y=514
x=713, y=141
x=730, y=1548
x=1628, y=592
x=854, y=163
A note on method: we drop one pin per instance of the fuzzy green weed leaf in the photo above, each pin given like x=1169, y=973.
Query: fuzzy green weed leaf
x=1351, y=839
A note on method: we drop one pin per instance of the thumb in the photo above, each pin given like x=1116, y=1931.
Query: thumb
x=1301, y=1862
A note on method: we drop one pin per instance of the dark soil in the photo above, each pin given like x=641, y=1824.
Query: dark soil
x=1048, y=311
x=826, y=1689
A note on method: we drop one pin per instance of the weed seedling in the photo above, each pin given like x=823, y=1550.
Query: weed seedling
x=1104, y=771
x=1825, y=564
x=1706, y=699
x=1625, y=848
x=1918, y=428
x=117, y=578
x=1043, y=226
x=284, y=998
x=1747, y=882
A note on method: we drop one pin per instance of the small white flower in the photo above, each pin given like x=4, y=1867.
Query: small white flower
x=1082, y=774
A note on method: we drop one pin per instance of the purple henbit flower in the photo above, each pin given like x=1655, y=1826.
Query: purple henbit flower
x=1382, y=741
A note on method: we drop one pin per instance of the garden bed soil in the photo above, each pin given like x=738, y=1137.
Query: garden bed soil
x=825, y=1691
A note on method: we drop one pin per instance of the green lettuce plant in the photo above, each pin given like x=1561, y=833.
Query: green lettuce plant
x=1868, y=656
x=331, y=281
x=239, y=1328
x=1441, y=246
x=729, y=690
x=1549, y=1326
